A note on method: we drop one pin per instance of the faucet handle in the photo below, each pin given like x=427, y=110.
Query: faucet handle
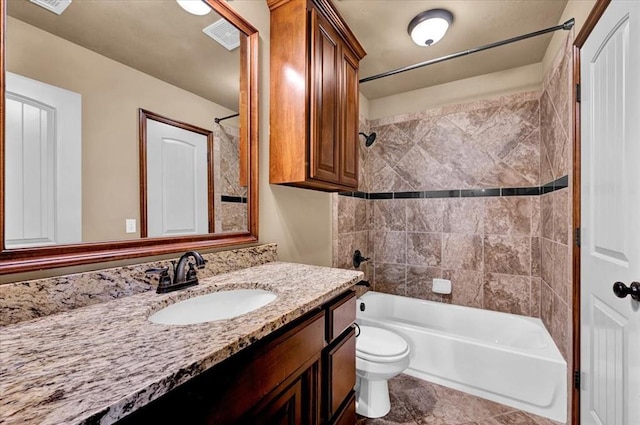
x=164, y=279
x=191, y=273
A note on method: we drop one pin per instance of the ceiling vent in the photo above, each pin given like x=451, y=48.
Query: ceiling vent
x=224, y=33
x=55, y=6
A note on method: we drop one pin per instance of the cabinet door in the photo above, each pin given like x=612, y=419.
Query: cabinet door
x=341, y=373
x=324, y=112
x=349, y=144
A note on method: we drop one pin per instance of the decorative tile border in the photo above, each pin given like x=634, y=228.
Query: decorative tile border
x=557, y=184
x=234, y=199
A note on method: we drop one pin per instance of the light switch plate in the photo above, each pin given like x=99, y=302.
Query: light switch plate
x=130, y=225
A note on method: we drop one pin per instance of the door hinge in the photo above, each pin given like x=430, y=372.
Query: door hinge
x=576, y=237
x=578, y=93
x=576, y=379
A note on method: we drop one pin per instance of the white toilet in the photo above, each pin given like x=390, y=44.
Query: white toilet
x=380, y=355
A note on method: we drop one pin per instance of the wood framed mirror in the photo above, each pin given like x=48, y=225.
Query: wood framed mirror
x=178, y=73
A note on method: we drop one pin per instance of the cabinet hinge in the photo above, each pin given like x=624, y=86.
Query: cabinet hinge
x=576, y=237
x=578, y=93
x=576, y=379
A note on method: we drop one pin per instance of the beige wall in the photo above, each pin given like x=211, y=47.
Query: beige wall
x=524, y=78
x=578, y=9
x=364, y=106
x=111, y=95
x=298, y=220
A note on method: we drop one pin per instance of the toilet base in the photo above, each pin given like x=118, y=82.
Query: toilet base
x=372, y=398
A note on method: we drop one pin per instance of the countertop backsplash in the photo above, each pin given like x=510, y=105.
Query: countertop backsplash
x=31, y=299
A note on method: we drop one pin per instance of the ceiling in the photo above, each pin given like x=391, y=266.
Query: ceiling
x=381, y=27
x=156, y=37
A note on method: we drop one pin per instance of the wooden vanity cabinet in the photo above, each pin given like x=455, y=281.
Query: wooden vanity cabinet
x=300, y=374
x=314, y=111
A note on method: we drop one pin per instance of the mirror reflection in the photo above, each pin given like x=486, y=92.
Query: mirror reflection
x=76, y=83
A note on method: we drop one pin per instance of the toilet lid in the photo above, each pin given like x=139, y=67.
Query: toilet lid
x=380, y=343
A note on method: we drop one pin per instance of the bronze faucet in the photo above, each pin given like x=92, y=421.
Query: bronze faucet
x=182, y=277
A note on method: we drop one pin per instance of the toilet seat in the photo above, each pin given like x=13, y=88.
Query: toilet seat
x=380, y=345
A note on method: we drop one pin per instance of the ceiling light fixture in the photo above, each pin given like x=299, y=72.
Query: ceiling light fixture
x=195, y=7
x=428, y=27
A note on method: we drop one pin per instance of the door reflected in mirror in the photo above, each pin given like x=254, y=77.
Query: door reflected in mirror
x=77, y=179
x=181, y=192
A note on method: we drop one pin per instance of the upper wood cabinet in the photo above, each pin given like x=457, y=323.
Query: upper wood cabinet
x=314, y=96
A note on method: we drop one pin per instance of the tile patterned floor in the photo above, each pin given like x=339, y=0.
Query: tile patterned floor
x=417, y=402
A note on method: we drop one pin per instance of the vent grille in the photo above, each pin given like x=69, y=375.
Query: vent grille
x=55, y=6
x=224, y=33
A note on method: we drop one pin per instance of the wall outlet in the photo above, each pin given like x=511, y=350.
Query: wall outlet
x=130, y=224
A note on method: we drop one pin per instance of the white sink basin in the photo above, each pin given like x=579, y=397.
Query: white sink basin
x=214, y=306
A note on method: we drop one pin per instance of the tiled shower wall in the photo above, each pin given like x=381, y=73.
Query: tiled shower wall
x=556, y=129
x=504, y=253
x=229, y=216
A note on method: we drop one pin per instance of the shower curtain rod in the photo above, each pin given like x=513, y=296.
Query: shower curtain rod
x=217, y=120
x=566, y=26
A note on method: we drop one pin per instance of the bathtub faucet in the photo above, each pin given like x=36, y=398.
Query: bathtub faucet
x=358, y=258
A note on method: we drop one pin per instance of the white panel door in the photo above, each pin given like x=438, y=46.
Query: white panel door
x=43, y=169
x=610, y=114
x=177, y=181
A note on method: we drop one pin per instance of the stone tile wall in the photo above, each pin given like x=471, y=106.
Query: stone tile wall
x=483, y=245
x=351, y=224
x=556, y=160
x=229, y=216
x=485, y=144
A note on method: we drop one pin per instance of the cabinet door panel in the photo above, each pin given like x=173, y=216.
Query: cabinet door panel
x=286, y=409
x=349, y=143
x=341, y=364
x=325, y=59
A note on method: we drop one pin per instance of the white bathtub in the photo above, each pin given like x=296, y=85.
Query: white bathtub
x=502, y=357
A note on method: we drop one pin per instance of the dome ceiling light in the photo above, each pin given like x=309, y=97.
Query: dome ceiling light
x=195, y=7
x=428, y=27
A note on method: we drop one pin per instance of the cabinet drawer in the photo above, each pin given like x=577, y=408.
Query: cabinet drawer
x=341, y=315
x=341, y=372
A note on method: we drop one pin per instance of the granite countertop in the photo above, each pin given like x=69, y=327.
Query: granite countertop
x=98, y=363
